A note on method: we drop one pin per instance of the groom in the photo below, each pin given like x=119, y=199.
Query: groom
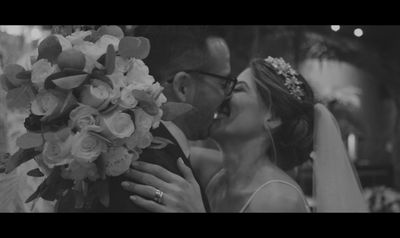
x=193, y=67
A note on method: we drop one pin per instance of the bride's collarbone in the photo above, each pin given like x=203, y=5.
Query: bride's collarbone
x=225, y=197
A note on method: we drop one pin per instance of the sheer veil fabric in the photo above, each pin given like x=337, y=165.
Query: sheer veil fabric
x=336, y=184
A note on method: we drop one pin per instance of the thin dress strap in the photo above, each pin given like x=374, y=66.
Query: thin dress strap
x=211, y=181
x=269, y=182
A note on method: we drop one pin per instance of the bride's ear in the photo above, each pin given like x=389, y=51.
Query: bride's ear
x=182, y=86
x=272, y=122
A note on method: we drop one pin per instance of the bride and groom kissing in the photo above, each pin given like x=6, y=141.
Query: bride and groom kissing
x=265, y=122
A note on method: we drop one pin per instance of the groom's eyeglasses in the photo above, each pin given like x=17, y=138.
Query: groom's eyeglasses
x=229, y=82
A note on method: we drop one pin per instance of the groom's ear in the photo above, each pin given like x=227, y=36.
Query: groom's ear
x=183, y=87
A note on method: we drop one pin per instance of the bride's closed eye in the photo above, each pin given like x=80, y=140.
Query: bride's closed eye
x=240, y=87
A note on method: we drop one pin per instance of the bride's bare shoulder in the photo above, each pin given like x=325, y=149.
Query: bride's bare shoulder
x=277, y=197
x=205, y=162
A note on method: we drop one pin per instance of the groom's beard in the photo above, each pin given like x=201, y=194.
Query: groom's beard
x=199, y=124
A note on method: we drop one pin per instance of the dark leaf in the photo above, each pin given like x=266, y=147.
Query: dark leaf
x=102, y=59
x=32, y=123
x=52, y=187
x=25, y=75
x=70, y=82
x=49, y=49
x=101, y=167
x=5, y=84
x=56, y=185
x=11, y=71
x=110, y=59
x=37, y=193
x=104, y=193
x=79, y=199
x=137, y=47
x=49, y=84
x=19, y=157
x=159, y=143
x=29, y=140
x=35, y=173
x=21, y=97
x=100, y=137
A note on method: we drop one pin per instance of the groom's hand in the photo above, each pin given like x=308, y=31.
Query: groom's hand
x=179, y=194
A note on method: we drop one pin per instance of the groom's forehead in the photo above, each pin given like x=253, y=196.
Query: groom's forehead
x=218, y=56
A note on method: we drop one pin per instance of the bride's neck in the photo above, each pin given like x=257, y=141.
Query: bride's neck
x=243, y=158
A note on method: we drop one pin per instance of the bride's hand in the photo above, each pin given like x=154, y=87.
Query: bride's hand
x=179, y=194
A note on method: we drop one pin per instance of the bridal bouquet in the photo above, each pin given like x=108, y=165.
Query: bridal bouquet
x=92, y=106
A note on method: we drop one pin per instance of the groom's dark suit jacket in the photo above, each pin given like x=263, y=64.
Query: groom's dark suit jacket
x=165, y=157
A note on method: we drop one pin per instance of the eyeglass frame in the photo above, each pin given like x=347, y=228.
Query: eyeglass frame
x=227, y=79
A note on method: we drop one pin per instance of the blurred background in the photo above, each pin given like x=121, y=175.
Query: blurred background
x=353, y=69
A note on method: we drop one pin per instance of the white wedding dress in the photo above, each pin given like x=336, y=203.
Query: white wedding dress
x=17, y=186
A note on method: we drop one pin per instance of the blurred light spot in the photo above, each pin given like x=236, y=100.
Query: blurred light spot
x=358, y=32
x=36, y=34
x=12, y=30
x=335, y=27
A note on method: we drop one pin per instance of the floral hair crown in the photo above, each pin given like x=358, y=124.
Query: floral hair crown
x=291, y=82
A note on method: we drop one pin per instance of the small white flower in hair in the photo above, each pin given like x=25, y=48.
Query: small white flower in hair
x=290, y=75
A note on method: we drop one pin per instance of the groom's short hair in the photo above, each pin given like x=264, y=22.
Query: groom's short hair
x=175, y=48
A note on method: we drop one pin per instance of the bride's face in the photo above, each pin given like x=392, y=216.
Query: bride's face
x=245, y=113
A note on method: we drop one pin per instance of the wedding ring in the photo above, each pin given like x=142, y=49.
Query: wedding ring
x=158, y=196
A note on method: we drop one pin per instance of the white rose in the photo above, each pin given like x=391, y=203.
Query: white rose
x=123, y=65
x=117, y=125
x=143, y=121
x=117, y=161
x=78, y=37
x=118, y=80
x=157, y=119
x=139, y=73
x=106, y=40
x=85, y=117
x=41, y=69
x=97, y=95
x=45, y=104
x=57, y=151
x=127, y=98
x=141, y=137
x=87, y=147
x=161, y=100
x=91, y=63
x=90, y=49
x=156, y=92
x=65, y=44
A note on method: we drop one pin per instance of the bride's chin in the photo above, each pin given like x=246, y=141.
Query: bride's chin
x=218, y=131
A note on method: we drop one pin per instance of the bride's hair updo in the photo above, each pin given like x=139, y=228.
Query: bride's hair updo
x=289, y=97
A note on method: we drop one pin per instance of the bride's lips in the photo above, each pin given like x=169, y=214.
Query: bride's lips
x=223, y=111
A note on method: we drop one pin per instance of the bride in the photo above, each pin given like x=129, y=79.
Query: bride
x=268, y=126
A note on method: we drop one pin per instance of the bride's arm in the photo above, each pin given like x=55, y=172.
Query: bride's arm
x=205, y=163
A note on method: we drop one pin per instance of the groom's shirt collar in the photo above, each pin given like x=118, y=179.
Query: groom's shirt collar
x=179, y=137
